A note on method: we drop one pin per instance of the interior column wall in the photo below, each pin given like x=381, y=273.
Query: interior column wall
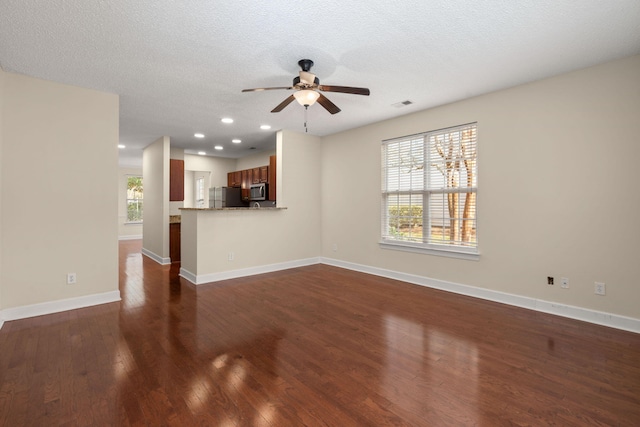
x=2, y=78
x=155, y=178
x=58, y=200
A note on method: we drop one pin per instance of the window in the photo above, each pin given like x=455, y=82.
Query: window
x=429, y=192
x=200, y=193
x=134, y=199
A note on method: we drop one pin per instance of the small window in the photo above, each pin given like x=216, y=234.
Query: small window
x=429, y=192
x=134, y=199
x=200, y=193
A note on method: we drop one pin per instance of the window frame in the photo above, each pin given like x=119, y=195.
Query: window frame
x=199, y=184
x=127, y=200
x=426, y=191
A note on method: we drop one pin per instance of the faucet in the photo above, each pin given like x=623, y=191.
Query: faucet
x=256, y=204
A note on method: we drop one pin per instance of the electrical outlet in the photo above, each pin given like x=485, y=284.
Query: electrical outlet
x=230, y=257
x=71, y=278
x=564, y=283
x=334, y=247
x=600, y=288
x=549, y=280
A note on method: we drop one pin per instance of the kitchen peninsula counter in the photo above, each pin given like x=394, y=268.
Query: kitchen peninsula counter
x=220, y=243
x=237, y=208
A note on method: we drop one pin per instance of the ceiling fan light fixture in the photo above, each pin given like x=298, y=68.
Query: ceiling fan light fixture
x=306, y=97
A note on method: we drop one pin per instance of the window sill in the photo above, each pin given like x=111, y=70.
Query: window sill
x=470, y=255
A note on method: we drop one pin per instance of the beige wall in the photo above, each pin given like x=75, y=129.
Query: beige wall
x=214, y=171
x=176, y=153
x=155, y=175
x=58, y=200
x=261, y=237
x=218, y=166
x=2, y=80
x=254, y=161
x=190, y=179
x=126, y=230
x=558, y=161
x=189, y=189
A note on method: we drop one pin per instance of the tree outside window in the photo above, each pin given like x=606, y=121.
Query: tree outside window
x=134, y=199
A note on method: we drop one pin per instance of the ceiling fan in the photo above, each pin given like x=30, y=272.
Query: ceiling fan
x=306, y=87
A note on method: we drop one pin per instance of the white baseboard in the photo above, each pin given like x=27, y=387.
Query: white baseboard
x=233, y=274
x=155, y=257
x=131, y=237
x=51, y=307
x=189, y=276
x=592, y=316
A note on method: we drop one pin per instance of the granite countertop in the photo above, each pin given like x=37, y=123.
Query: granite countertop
x=174, y=219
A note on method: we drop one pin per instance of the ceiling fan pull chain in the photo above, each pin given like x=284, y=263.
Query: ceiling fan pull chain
x=306, y=109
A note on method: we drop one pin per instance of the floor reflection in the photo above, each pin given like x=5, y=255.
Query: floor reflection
x=319, y=345
x=132, y=289
x=421, y=353
x=205, y=349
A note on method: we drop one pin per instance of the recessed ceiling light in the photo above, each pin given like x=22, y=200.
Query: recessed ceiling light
x=202, y=153
x=199, y=135
x=236, y=141
x=227, y=120
x=218, y=147
x=122, y=146
x=265, y=127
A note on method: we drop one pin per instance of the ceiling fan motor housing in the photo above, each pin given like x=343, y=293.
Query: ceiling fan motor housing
x=299, y=85
x=305, y=64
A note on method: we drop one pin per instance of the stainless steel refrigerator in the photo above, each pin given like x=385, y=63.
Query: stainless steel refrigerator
x=225, y=197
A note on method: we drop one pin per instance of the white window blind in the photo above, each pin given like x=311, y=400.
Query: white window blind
x=200, y=193
x=429, y=190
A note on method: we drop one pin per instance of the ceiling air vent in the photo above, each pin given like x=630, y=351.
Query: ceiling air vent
x=402, y=104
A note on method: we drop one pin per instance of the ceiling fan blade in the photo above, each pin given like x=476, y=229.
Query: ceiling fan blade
x=345, y=89
x=328, y=105
x=283, y=104
x=260, y=89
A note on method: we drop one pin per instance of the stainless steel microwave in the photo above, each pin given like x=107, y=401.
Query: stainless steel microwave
x=258, y=192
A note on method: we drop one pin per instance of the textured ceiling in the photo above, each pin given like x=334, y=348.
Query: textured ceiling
x=179, y=67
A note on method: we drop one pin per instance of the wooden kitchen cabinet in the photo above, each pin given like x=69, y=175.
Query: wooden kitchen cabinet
x=255, y=176
x=246, y=183
x=258, y=175
x=246, y=178
x=176, y=180
x=234, y=179
x=264, y=174
x=272, y=178
x=174, y=242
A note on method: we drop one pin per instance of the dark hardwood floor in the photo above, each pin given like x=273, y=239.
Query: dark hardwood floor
x=313, y=346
